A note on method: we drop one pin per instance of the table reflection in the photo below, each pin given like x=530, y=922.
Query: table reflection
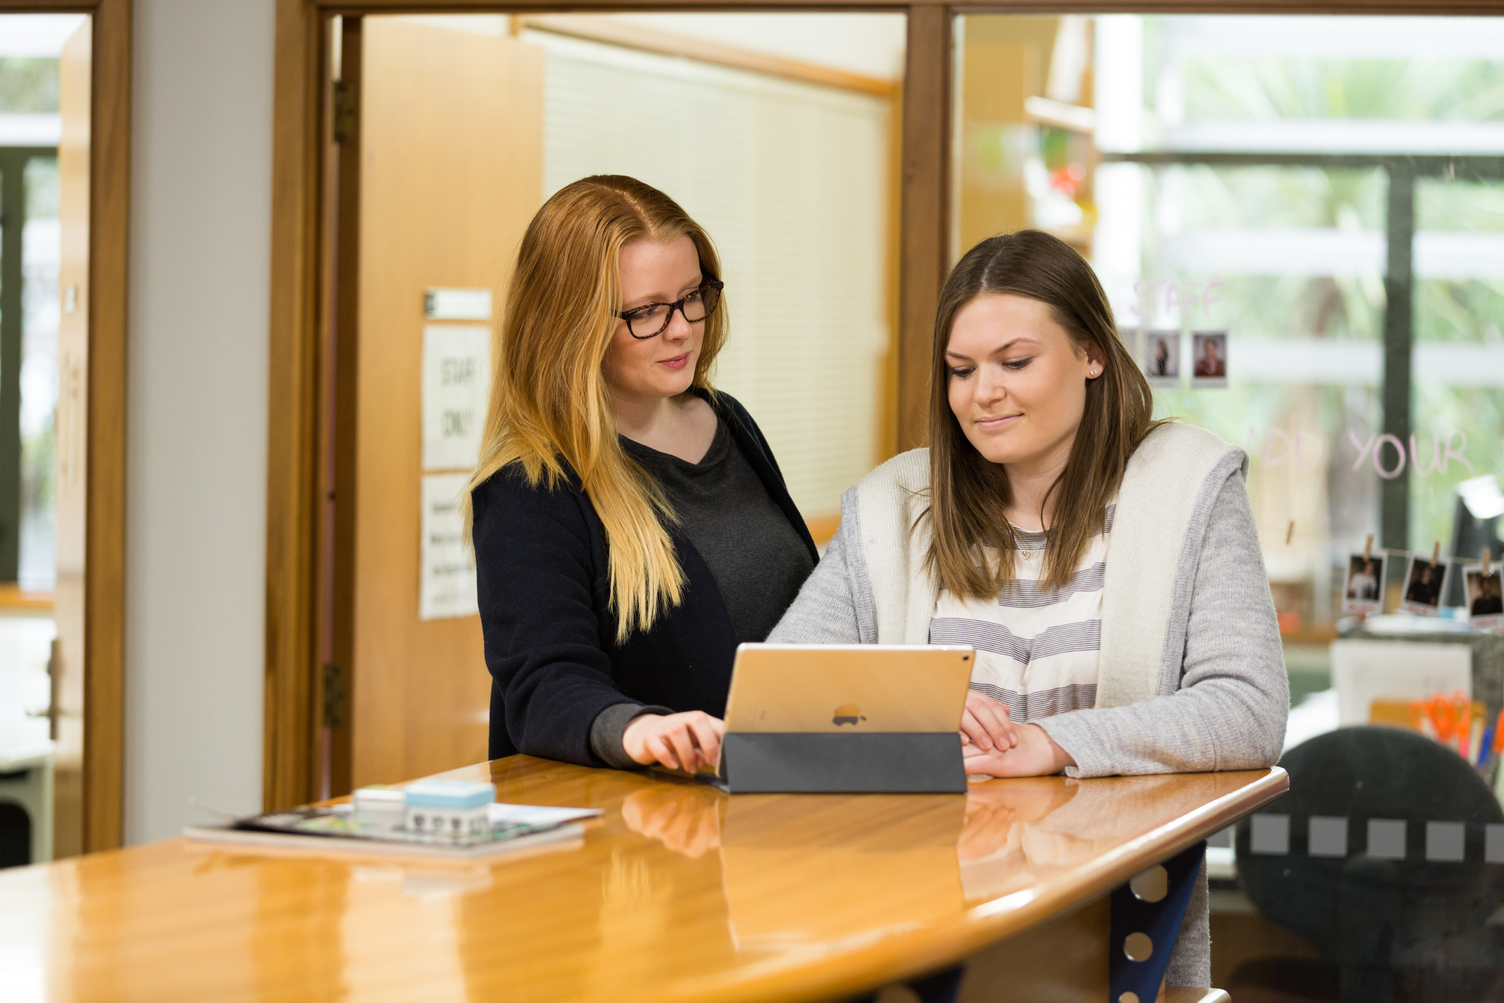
x=816, y=869
x=685, y=819
x=806, y=869
x=1020, y=832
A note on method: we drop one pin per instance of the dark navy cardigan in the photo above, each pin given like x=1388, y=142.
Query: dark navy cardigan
x=550, y=635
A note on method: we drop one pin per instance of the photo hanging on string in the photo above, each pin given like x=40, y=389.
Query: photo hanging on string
x=1485, y=596
x=1162, y=358
x=1363, y=591
x=1425, y=584
x=1208, y=360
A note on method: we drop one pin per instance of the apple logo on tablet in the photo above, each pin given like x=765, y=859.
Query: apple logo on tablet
x=847, y=713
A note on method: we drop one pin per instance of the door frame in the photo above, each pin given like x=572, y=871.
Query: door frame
x=300, y=221
x=105, y=407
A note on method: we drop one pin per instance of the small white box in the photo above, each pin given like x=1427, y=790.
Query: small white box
x=382, y=808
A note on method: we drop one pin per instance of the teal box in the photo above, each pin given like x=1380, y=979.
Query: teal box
x=449, y=794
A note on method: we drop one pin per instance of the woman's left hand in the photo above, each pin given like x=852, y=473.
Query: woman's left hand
x=986, y=723
x=1035, y=755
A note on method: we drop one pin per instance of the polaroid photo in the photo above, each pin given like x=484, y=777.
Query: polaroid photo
x=1425, y=585
x=1363, y=591
x=1162, y=358
x=1485, y=596
x=1208, y=360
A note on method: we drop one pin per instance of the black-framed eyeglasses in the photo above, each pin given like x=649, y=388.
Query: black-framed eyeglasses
x=651, y=320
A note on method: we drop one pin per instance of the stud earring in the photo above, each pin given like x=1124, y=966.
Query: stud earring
x=1092, y=373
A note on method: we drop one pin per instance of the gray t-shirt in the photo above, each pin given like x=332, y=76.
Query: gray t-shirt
x=756, y=557
x=758, y=560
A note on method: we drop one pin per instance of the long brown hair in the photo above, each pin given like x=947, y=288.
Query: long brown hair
x=969, y=494
x=550, y=404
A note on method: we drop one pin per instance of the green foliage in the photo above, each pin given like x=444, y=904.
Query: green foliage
x=1414, y=89
x=28, y=84
x=1459, y=205
x=1277, y=306
x=41, y=188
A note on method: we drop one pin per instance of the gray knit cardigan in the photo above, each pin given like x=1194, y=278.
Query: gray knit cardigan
x=1192, y=675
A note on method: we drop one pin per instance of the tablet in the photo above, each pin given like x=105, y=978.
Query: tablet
x=845, y=719
x=848, y=688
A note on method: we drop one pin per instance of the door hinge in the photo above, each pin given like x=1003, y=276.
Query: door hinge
x=336, y=696
x=344, y=112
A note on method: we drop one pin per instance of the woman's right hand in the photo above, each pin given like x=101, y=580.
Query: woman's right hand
x=987, y=724
x=690, y=741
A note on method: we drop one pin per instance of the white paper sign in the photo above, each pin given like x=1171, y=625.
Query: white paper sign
x=1365, y=671
x=456, y=381
x=447, y=586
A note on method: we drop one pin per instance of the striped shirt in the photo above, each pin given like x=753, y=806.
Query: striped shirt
x=1037, y=647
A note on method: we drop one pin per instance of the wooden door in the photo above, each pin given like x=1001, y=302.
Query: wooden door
x=450, y=146
x=71, y=443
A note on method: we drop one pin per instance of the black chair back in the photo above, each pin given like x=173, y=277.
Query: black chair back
x=1392, y=905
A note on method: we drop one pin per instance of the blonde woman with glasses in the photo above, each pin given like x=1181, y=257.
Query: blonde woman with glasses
x=1105, y=566
x=630, y=524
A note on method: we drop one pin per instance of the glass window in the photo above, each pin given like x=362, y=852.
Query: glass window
x=40, y=312
x=1459, y=346
x=1326, y=191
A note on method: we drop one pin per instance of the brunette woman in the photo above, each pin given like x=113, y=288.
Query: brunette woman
x=630, y=524
x=1105, y=566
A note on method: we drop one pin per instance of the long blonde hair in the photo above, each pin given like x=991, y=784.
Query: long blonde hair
x=550, y=404
x=969, y=495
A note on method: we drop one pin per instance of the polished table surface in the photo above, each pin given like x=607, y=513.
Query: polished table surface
x=678, y=892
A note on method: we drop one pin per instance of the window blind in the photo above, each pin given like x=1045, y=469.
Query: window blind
x=791, y=180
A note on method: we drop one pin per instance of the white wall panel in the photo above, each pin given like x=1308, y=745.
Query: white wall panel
x=196, y=476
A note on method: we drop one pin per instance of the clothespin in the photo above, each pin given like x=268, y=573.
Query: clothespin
x=1290, y=533
x=1368, y=547
x=1486, y=556
x=1436, y=553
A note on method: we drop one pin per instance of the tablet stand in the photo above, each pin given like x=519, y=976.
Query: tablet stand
x=833, y=763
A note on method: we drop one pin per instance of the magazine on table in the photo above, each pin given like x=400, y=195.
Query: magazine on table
x=510, y=827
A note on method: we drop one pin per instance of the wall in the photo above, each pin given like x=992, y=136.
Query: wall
x=196, y=491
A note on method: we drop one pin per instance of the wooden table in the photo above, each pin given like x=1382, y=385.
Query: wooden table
x=678, y=893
